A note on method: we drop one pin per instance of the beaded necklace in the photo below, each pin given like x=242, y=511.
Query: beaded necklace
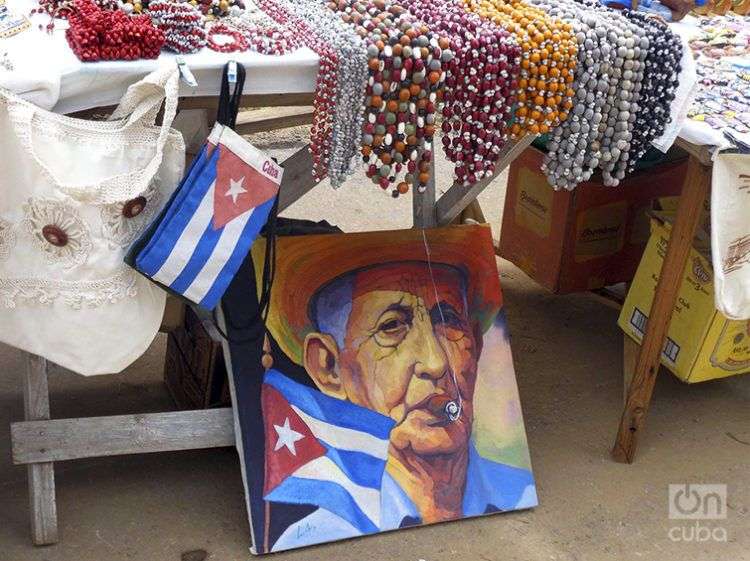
x=547, y=65
x=262, y=33
x=181, y=23
x=480, y=86
x=629, y=53
x=404, y=90
x=95, y=34
x=237, y=43
x=660, y=82
x=606, y=88
x=340, y=87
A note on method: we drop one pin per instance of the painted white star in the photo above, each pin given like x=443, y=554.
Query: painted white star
x=235, y=189
x=287, y=437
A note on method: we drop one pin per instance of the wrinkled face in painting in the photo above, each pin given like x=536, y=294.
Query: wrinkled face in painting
x=397, y=339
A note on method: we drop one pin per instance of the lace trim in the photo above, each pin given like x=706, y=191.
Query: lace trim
x=121, y=230
x=139, y=95
x=108, y=187
x=145, y=136
x=75, y=294
x=7, y=239
x=50, y=212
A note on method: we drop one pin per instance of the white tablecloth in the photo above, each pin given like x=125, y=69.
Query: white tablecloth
x=48, y=74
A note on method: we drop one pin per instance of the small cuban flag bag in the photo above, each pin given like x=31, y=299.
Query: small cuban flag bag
x=199, y=241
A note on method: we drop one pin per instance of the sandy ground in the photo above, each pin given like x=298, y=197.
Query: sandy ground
x=567, y=352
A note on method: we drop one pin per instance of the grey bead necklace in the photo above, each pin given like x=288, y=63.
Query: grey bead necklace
x=622, y=93
x=344, y=123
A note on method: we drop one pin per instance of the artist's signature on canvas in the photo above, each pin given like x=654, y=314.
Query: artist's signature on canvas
x=304, y=529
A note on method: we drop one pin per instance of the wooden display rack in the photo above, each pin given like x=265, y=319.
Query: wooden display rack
x=39, y=441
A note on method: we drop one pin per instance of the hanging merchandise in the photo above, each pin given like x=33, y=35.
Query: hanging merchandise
x=603, y=131
x=730, y=235
x=405, y=88
x=481, y=73
x=340, y=86
x=76, y=193
x=547, y=66
x=197, y=244
x=95, y=34
x=660, y=82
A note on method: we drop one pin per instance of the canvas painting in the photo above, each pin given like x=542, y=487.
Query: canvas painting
x=391, y=400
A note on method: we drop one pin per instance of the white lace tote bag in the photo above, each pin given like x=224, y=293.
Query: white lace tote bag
x=73, y=195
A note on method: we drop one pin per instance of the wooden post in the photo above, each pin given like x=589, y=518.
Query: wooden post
x=681, y=239
x=629, y=359
x=42, y=502
x=424, y=203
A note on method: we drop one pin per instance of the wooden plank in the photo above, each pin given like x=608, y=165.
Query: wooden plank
x=458, y=197
x=42, y=502
x=471, y=214
x=254, y=100
x=273, y=118
x=298, y=178
x=629, y=359
x=423, y=204
x=70, y=439
x=701, y=152
x=642, y=385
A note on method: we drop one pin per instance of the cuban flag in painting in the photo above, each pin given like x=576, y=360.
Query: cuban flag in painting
x=323, y=451
x=213, y=219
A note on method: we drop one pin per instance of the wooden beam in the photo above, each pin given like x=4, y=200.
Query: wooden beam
x=681, y=239
x=71, y=439
x=458, y=197
x=423, y=204
x=42, y=502
x=254, y=100
x=629, y=359
x=298, y=178
x=273, y=118
x=704, y=154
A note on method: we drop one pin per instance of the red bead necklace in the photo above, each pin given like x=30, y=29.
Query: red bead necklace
x=239, y=43
x=324, y=102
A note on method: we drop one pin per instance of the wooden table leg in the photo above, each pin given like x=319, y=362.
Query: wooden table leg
x=641, y=388
x=42, y=504
x=629, y=359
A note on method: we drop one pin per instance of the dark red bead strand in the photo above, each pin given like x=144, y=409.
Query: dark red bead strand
x=481, y=86
x=323, y=102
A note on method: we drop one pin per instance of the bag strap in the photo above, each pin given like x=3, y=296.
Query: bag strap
x=229, y=104
x=258, y=321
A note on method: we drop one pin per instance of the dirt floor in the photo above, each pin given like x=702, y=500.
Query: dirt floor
x=568, y=360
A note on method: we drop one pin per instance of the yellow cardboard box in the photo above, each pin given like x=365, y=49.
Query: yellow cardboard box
x=702, y=344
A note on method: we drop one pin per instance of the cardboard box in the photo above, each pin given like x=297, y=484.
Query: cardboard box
x=702, y=344
x=591, y=237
